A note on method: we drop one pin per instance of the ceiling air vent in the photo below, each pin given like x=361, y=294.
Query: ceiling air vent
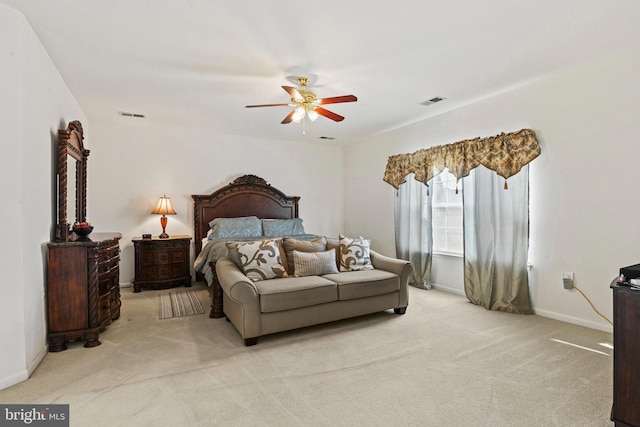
x=432, y=101
x=125, y=114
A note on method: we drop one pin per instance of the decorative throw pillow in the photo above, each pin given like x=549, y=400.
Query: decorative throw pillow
x=259, y=260
x=282, y=227
x=314, y=263
x=246, y=226
x=334, y=243
x=319, y=244
x=354, y=254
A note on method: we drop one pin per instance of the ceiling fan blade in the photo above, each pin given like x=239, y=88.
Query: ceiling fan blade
x=328, y=114
x=266, y=105
x=293, y=93
x=337, y=99
x=288, y=118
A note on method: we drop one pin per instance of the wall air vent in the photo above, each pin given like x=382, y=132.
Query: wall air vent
x=125, y=114
x=432, y=101
x=328, y=138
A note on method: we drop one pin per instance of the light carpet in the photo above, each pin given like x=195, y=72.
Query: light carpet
x=445, y=363
x=179, y=303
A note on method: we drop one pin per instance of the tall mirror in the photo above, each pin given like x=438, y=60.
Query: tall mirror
x=72, y=179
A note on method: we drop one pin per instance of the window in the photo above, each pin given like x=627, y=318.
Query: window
x=447, y=215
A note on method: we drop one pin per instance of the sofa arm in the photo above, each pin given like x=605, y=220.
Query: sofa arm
x=403, y=268
x=244, y=308
x=234, y=282
x=394, y=265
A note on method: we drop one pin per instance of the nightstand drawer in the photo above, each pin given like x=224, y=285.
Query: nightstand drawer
x=169, y=271
x=154, y=257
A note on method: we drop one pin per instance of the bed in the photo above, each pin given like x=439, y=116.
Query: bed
x=247, y=196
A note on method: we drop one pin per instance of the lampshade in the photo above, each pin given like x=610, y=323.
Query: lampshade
x=164, y=207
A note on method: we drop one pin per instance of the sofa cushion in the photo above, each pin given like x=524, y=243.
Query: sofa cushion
x=364, y=283
x=319, y=244
x=354, y=254
x=314, y=263
x=259, y=260
x=295, y=292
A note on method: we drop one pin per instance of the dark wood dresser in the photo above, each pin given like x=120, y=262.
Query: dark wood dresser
x=626, y=349
x=162, y=263
x=83, y=288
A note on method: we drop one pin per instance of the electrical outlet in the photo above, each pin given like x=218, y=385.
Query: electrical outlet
x=567, y=280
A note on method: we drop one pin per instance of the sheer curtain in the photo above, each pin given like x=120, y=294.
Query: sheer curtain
x=414, y=240
x=496, y=240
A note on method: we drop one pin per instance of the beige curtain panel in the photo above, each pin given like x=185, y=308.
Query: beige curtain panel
x=505, y=154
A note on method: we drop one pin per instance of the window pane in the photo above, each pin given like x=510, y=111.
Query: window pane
x=447, y=214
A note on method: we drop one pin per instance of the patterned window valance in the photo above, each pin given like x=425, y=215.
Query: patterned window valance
x=505, y=154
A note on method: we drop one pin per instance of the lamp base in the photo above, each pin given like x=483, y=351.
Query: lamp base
x=163, y=223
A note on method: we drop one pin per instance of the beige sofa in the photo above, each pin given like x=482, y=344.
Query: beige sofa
x=258, y=308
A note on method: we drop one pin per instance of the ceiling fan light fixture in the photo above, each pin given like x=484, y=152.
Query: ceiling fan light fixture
x=298, y=115
x=313, y=115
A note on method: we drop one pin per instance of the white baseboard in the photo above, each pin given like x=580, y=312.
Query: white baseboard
x=600, y=326
x=450, y=289
x=14, y=379
x=31, y=367
x=24, y=375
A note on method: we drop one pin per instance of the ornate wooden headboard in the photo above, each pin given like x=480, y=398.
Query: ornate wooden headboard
x=246, y=196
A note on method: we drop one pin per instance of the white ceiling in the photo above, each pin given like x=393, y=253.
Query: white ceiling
x=197, y=63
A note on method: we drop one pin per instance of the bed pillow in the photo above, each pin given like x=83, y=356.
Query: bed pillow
x=354, y=254
x=282, y=227
x=314, y=263
x=246, y=226
x=319, y=244
x=258, y=260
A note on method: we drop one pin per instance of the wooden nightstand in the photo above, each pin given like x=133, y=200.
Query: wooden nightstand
x=162, y=263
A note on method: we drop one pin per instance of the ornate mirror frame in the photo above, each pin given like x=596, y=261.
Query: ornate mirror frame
x=70, y=147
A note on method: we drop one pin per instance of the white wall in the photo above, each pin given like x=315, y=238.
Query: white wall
x=12, y=362
x=131, y=165
x=35, y=101
x=583, y=186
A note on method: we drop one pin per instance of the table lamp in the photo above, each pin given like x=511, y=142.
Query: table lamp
x=163, y=208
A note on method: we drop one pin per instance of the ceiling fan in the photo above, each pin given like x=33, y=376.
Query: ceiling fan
x=306, y=104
